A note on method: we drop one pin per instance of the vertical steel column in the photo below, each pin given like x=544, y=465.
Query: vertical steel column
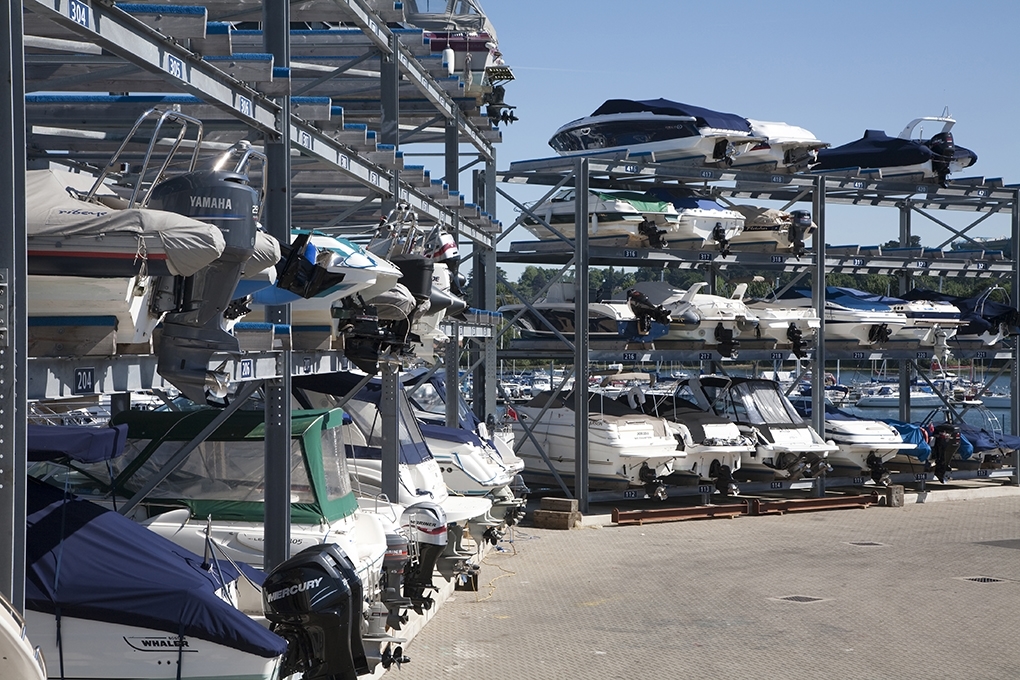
x=451, y=359
x=13, y=310
x=818, y=286
x=276, y=34
x=389, y=98
x=483, y=282
x=1014, y=295
x=389, y=414
x=581, y=334
x=904, y=281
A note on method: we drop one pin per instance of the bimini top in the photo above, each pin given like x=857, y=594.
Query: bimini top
x=75, y=442
x=92, y=563
x=665, y=107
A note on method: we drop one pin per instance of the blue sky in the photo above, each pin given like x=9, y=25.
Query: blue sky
x=835, y=68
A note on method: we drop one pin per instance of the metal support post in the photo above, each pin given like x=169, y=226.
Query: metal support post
x=483, y=282
x=276, y=24
x=13, y=310
x=1014, y=292
x=389, y=412
x=389, y=98
x=451, y=361
x=818, y=286
x=581, y=334
x=904, y=281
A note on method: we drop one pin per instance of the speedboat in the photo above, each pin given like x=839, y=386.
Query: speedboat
x=773, y=230
x=626, y=320
x=626, y=448
x=625, y=218
x=106, y=598
x=903, y=157
x=722, y=320
x=21, y=658
x=921, y=396
x=796, y=327
x=850, y=314
x=981, y=317
x=657, y=130
x=787, y=148
x=865, y=446
x=701, y=221
x=785, y=446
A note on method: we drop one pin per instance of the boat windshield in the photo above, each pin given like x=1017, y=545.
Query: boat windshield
x=621, y=133
x=215, y=470
x=426, y=398
x=758, y=402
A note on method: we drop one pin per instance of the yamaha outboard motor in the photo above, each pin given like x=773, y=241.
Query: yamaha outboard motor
x=943, y=149
x=945, y=446
x=193, y=331
x=426, y=527
x=314, y=601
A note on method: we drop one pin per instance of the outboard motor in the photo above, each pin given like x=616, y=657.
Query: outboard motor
x=395, y=561
x=800, y=223
x=314, y=601
x=193, y=331
x=719, y=236
x=653, y=233
x=943, y=149
x=727, y=344
x=879, y=333
x=796, y=338
x=879, y=472
x=646, y=311
x=426, y=527
x=945, y=446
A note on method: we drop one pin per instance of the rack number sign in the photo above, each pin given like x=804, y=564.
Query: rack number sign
x=630, y=253
x=80, y=13
x=247, y=369
x=244, y=105
x=84, y=381
x=630, y=356
x=175, y=66
x=857, y=355
x=704, y=356
x=705, y=489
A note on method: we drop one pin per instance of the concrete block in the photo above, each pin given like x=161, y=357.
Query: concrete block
x=552, y=519
x=894, y=496
x=559, y=504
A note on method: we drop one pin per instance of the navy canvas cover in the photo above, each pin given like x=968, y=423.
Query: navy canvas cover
x=874, y=150
x=665, y=107
x=77, y=442
x=981, y=314
x=92, y=563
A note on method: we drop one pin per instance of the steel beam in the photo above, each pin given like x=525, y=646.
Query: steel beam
x=581, y=439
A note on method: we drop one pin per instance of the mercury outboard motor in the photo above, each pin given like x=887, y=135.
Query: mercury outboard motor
x=945, y=446
x=943, y=149
x=727, y=343
x=796, y=337
x=193, y=331
x=800, y=223
x=314, y=602
x=645, y=311
x=395, y=561
x=653, y=233
x=426, y=527
x=879, y=333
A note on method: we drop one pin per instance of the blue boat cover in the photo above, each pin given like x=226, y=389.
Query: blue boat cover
x=665, y=107
x=874, y=150
x=684, y=199
x=92, y=563
x=912, y=434
x=983, y=440
x=84, y=444
x=847, y=297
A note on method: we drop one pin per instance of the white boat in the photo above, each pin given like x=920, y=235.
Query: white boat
x=849, y=316
x=723, y=321
x=772, y=229
x=657, y=130
x=625, y=448
x=21, y=659
x=921, y=396
x=787, y=148
x=624, y=320
x=796, y=327
x=785, y=446
x=702, y=222
x=108, y=600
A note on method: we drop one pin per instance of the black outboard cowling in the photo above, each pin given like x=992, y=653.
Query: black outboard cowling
x=193, y=331
x=943, y=150
x=314, y=601
x=945, y=445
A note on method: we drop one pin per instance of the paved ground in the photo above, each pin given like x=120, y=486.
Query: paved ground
x=702, y=599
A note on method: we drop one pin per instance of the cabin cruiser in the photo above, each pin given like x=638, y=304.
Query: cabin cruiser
x=981, y=317
x=21, y=658
x=106, y=598
x=626, y=448
x=903, y=157
x=701, y=221
x=785, y=446
x=722, y=320
x=657, y=130
x=850, y=314
x=787, y=148
x=630, y=320
x=796, y=327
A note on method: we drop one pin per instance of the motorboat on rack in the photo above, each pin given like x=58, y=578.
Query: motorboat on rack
x=701, y=221
x=21, y=658
x=657, y=130
x=981, y=317
x=785, y=446
x=903, y=157
x=629, y=320
x=787, y=148
x=850, y=314
x=772, y=229
x=626, y=448
x=106, y=598
x=722, y=320
x=796, y=327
